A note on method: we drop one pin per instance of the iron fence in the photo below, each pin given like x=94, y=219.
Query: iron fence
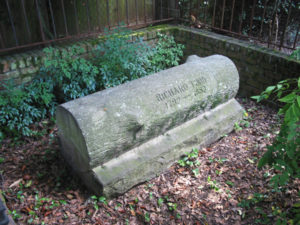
x=273, y=22
x=25, y=24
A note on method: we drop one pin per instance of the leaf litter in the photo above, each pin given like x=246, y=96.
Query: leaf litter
x=223, y=187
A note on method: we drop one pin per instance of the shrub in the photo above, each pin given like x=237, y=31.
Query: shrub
x=120, y=59
x=21, y=106
x=71, y=76
x=62, y=77
x=65, y=76
x=284, y=153
x=167, y=53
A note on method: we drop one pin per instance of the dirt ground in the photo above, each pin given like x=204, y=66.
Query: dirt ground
x=219, y=184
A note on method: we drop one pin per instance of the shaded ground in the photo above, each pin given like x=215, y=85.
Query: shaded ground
x=223, y=186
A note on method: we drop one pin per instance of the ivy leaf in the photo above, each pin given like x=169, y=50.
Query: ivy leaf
x=288, y=98
x=196, y=172
x=292, y=131
x=270, y=89
x=279, y=86
x=296, y=111
x=160, y=201
x=298, y=100
x=284, y=109
x=257, y=98
x=292, y=115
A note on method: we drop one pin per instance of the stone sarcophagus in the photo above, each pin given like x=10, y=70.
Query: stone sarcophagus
x=122, y=136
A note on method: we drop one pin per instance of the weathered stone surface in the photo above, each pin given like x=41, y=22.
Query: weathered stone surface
x=119, y=137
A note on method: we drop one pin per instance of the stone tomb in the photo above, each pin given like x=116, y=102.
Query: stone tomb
x=122, y=136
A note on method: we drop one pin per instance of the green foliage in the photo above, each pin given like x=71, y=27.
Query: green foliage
x=20, y=106
x=274, y=215
x=196, y=172
x=172, y=206
x=15, y=215
x=252, y=200
x=284, y=154
x=65, y=76
x=167, y=53
x=72, y=76
x=120, y=59
x=160, y=201
x=213, y=184
x=62, y=77
x=296, y=54
x=230, y=183
x=96, y=200
x=147, y=217
x=189, y=159
x=237, y=127
x=123, y=57
x=244, y=123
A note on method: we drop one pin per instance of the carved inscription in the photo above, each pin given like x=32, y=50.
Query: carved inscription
x=172, y=92
x=174, y=95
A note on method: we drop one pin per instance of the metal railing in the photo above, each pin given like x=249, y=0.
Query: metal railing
x=273, y=22
x=25, y=24
x=30, y=23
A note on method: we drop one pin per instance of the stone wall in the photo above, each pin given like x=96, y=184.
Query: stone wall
x=258, y=67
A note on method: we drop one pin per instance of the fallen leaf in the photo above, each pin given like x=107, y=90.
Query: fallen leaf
x=250, y=161
x=193, y=204
x=16, y=183
x=181, y=169
x=120, y=210
x=47, y=213
x=142, y=207
x=69, y=196
x=58, y=214
x=132, y=212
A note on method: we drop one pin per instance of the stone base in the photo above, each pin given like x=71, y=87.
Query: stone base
x=150, y=159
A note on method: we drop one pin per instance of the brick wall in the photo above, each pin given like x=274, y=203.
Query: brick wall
x=258, y=67
x=23, y=67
